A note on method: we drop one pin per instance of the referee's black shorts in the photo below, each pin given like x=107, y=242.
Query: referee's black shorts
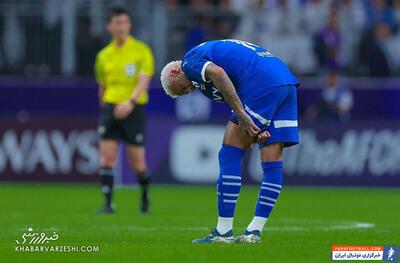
x=131, y=130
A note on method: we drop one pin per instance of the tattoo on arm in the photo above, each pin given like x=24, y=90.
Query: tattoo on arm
x=223, y=83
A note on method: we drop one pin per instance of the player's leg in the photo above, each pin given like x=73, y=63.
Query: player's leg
x=284, y=132
x=271, y=160
x=235, y=137
x=108, y=157
x=234, y=145
x=134, y=127
x=137, y=159
x=109, y=133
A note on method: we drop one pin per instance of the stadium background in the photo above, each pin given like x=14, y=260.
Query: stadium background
x=48, y=99
x=49, y=107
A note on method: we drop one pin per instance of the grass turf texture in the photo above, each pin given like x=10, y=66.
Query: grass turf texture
x=303, y=226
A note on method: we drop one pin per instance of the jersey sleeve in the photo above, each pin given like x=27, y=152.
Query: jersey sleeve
x=99, y=71
x=147, y=63
x=194, y=66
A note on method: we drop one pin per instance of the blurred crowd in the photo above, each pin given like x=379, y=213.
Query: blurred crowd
x=355, y=37
x=350, y=37
x=328, y=38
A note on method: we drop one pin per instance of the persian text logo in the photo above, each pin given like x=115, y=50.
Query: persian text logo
x=33, y=238
x=33, y=241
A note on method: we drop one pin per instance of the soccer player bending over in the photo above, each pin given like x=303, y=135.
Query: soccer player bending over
x=261, y=90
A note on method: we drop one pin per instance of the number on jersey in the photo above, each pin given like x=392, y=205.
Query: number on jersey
x=244, y=43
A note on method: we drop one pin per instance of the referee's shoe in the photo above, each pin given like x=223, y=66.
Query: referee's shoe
x=106, y=209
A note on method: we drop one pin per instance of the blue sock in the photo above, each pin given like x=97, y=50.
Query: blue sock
x=269, y=193
x=229, y=183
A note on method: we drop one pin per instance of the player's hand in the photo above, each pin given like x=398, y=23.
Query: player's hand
x=121, y=111
x=262, y=137
x=247, y=125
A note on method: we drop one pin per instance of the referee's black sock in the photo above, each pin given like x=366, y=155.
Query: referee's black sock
x=107, y=182
x=144, y=180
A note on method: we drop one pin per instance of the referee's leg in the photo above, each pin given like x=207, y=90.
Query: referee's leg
x=137, y=159
x=108, y=158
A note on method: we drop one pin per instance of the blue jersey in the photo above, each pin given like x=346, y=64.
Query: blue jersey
x=251, y=68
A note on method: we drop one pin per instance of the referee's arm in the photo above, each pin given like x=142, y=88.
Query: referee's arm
x=142, y=85
x=99, y=74
x=145, y=74
x=101, y=93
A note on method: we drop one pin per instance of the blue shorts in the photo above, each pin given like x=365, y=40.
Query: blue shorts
x=276, y=112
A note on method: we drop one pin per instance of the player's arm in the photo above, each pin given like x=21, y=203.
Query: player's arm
x=224, y=84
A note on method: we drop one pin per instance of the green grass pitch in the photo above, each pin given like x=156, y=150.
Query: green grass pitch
x=303, y=226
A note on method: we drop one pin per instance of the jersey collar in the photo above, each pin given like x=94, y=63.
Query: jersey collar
x=128, y=42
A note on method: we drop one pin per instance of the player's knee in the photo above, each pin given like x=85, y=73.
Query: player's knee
x=140, y=167
x=107, y=160
x=235, y=137
x=271, y=153
x=139, y=164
